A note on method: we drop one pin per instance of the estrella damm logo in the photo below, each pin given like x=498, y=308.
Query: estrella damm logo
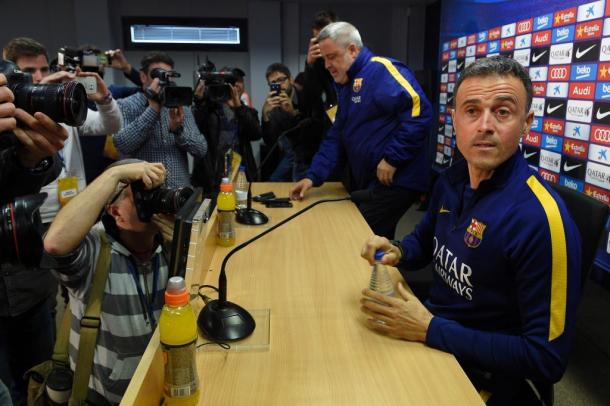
x=474, y=233
x=357, y=84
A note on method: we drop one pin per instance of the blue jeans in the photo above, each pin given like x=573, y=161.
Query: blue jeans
x=289, y=169
x=25, y=341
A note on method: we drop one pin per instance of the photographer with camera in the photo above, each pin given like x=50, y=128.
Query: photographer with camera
x=156, y=133
x=226, y=122
x=137, y=273
x=282, y=115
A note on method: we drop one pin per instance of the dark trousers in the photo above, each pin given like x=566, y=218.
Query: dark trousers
x=386, y=207
x=25, y=341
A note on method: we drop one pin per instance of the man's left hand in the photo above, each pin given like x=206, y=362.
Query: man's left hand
x=234, y=100
x=40, y=137
x=176, y=118
x=385, y=172
x=405, y=317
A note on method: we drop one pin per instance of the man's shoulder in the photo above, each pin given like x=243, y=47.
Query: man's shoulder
x=134, y=100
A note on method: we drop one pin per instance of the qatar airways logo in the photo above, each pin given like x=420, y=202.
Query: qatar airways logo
x=522, y=56
x=471, y=50
x=579, y=110
x=550, y=160
x=604, y=51
x=598, y=175
x=461, y=43
x=561, y=53
x=454, y=272
x=538, y=106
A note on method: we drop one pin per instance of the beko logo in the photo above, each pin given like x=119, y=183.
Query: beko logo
x=561, y=53
x=583, y=71
x=579, y=110
x=562, y=34
x=543, y=22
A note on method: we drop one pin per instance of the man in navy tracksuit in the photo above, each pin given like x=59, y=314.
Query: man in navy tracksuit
x=506, y=254
x=381, y=128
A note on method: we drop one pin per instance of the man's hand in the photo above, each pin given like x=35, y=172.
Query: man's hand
x=118, y=61
x=286, y=104
x=102, y=89
x=58, y=77
x=40, y=137
x=313, y=52
x=199, y=90
x=392, y=253
x=154, y=88
x=405, y=317
x=151, y=174
x=385, y=172
x=7, y=108
x=176, y=118
x=298, y=190
x=234, y=100
x=272, y=101
x=165, y=224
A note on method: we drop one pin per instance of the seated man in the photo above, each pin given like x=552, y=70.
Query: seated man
x=506, y=253
x=137, y=277
x=156, y=133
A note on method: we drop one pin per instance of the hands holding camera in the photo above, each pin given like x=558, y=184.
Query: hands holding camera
x=274, y=100
x=313, y=52
x=154, y=88
x=234, y=101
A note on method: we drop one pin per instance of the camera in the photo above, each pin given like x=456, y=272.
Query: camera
x=62, y=102
x=89, y=60
x=217, y=89
x=21, y=230
x=170, y=95
x=158, y=200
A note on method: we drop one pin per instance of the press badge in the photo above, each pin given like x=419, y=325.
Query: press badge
x=67, y=188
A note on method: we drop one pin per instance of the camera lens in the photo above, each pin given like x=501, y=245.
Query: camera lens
x=21, y=230
x=169, y=201
x=62, y=102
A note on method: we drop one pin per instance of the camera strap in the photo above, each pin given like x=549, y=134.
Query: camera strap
x=147, y=300
x=90, y=325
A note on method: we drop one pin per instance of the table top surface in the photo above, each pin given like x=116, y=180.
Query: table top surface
x=309, y=275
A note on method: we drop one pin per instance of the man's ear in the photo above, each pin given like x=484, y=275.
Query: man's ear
x=143, y=77
x=113, y=210
x=353, y=50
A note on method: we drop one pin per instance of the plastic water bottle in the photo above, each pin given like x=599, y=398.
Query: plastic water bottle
x=178, y=336
x=241, y=188
x=380, y=277
x=225, y=206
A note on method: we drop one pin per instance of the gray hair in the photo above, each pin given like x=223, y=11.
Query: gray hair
x=501, y=66
x=342, y=33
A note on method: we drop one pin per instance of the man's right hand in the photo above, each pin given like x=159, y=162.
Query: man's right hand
x=298, y=190
x=151, y=174
x=118, y=61
x=155, y=88
x=392, y=254
x=40, y=137
x=7, y=108
x=314, y=51
x=272, y=101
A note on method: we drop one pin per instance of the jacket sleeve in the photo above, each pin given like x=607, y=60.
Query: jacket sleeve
x=15, y=180
x=106, y=120
x=401, y=96
x=247, y=118
x=190, y=139
x=547, y=296
x=138, y=124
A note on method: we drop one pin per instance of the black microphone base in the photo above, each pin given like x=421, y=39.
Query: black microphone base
x=250, y=217
x=225, y=321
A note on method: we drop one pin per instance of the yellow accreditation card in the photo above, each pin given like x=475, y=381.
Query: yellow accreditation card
x=110, y=150
x=67, y=188
x=331, y=113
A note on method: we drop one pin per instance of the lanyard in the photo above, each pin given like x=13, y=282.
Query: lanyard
x=147, y=305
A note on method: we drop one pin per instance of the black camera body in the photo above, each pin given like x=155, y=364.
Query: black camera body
x=170, y=94
x=62, y=102
x=158, y=200
x=217, y=89
x=88, y=60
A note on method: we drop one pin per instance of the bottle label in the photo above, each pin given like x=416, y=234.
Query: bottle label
x=241, y=195
x=225, y=225
x=181, y=378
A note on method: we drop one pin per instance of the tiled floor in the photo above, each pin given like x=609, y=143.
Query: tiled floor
x=587, y=379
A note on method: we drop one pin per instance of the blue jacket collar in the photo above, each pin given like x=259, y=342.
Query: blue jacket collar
x=362, y=59
x=459, y=172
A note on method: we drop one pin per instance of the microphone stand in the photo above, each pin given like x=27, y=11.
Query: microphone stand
x=250, y=216
x=221, y=320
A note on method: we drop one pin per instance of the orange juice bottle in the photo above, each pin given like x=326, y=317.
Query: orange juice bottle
x=225, y=207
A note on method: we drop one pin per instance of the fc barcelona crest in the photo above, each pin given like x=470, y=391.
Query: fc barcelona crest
x=357, y=84
x=474, y=233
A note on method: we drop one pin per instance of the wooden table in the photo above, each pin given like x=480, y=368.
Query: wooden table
x=309, y=274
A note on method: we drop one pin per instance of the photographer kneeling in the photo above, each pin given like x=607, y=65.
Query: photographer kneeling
x=137, y=276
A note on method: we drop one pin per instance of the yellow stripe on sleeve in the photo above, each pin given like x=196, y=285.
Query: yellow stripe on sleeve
x=403, y=82
x=559, y=273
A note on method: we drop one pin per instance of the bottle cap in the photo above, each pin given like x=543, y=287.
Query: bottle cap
x=175, y=292
x=242, y=167
x=226, y=187
x=224, y=180
x=379, y=254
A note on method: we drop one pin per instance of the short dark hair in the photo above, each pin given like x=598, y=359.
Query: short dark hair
x=322, y=18
x=23, y=46
x=277, y=67
x=155, y=57
x=501, y=66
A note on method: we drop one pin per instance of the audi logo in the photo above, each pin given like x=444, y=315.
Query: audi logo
x=559, y=73
x=602, y=134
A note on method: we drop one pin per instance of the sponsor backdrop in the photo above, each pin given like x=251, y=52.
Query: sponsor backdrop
x=565, y=45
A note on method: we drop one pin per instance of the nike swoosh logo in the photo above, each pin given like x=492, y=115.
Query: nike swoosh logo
x=444, y=210
x=441, y=129
x=550, y=110
x=529, y=154
x=445, y=66
x=568, y=168
x=460, y=66
x=536, y=57
x=599, y=115
x=580, y=53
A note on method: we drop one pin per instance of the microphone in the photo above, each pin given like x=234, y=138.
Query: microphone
x=221, y=320
x=303, y=123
